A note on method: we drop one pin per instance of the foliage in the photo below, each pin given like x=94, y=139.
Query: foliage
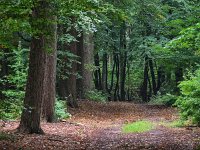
x=189, y=101
x=167, y=99
x=10, y=109
x=11, y=106
x=95, y=95
x=138, y=127
x=60, y=110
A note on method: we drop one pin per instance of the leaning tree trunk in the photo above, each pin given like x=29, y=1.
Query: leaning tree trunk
x=35, y=87
x=153, y=78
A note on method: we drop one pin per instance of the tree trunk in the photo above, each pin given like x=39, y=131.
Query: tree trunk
x=112, y=78
x=123, y=76
x=97, y=73
x=153, y=78
x=116, y=92
x=36, y=85
x=105, y=73
x=71, y=80
x=86, y=49
x=178, y=77
x=48, y=112
x=144, y=88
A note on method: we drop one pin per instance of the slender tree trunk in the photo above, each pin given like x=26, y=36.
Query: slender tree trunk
x=123, y=76
x=160, y=78
x=144, y=88
x=150, y=88
x=79, y=82
x=112, y=78
x=105, y=73
x=97, y=73
x=178, y=77
x=116, y=92
x=153, y=78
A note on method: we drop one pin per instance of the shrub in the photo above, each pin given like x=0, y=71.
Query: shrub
x=167, y=99
x=61, y=110
x=97, y=96
x=189, y=101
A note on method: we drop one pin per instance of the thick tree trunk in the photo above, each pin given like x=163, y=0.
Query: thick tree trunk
x=35, y=88
x=48, y=112
x=86, y=48
x=36, y=85
x=71, y=80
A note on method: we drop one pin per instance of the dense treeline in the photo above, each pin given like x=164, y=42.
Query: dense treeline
x=102, y=50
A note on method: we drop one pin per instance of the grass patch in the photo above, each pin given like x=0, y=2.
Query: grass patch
x=173, y=124
x=138, y=127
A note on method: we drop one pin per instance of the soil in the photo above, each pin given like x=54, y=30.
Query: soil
x=98, y=126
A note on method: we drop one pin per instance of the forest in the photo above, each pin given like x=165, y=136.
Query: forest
x=100, y=74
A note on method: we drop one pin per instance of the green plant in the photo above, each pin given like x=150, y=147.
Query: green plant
x=11, y=106
x=61, y=110
x=97, y=96
x=189, y=102
x=167, y=99
x=138, y=127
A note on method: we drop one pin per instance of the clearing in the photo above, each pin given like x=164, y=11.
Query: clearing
x=97, y=126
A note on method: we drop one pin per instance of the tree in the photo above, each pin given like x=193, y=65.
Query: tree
x=37, y=74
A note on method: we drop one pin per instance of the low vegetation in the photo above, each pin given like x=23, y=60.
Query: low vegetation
x=138, y=127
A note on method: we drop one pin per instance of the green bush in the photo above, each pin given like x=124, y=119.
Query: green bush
x=11, y=106
x=61, y=110
x=97, y=96
x=189, y=101
x=167, y=99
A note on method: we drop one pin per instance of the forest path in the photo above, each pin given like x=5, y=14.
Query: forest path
x=97, y=126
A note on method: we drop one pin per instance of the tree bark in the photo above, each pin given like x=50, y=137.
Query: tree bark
x=97, y=73
x=153, y=78
x=116, y=92
x=48, y=112
x=71, y=80
x=105, y=73
x=86, y=48
x=36, y=82
x=144, y=88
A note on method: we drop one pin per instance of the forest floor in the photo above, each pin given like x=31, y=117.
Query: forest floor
x=97, y=126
